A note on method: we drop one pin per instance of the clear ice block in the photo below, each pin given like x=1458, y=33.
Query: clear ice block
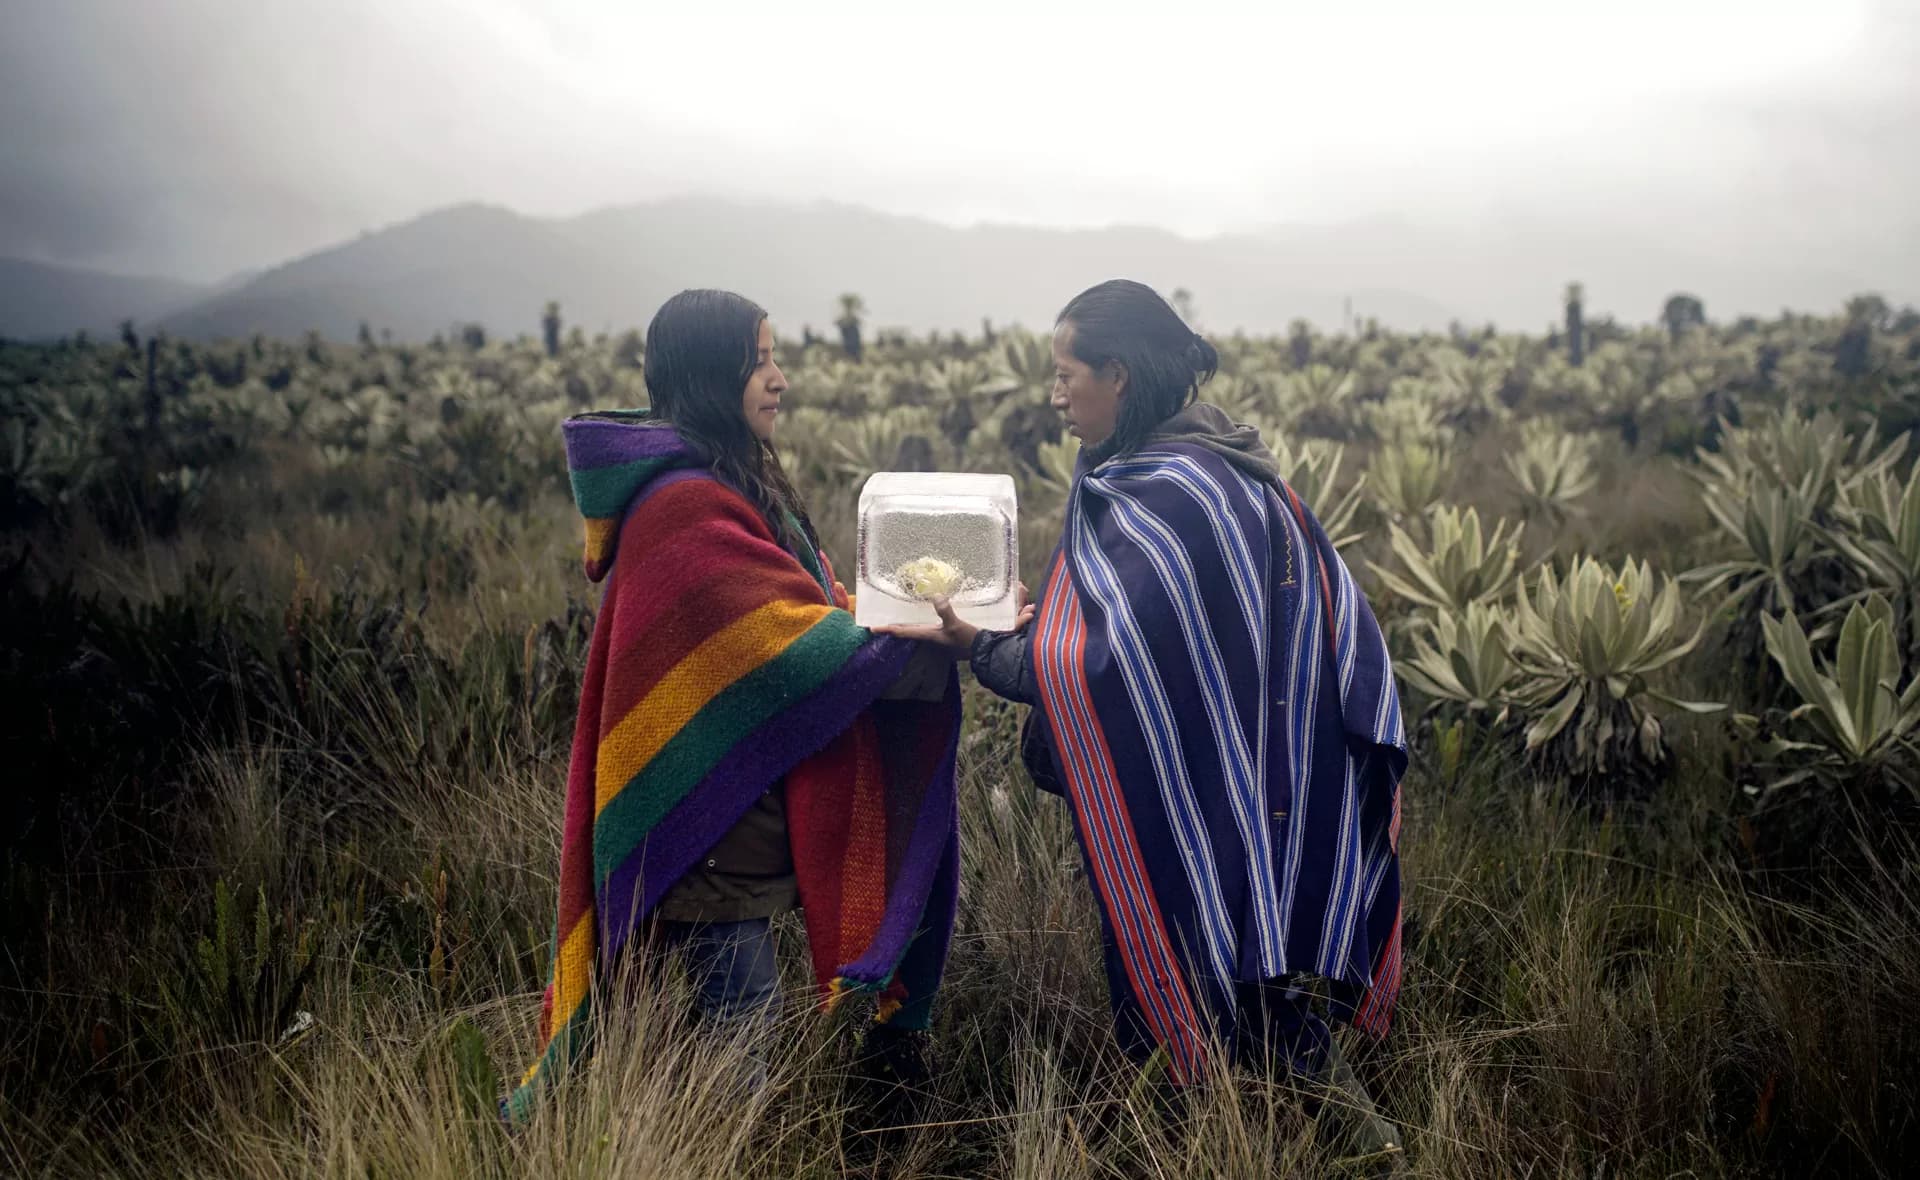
x=920, y=531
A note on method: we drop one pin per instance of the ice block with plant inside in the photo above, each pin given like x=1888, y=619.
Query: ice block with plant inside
x=940, y=532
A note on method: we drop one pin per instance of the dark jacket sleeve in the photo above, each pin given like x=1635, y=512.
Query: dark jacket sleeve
x=999, y=660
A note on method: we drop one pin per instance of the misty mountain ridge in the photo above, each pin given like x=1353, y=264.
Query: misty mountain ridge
x=40, y=300
x=611, y=268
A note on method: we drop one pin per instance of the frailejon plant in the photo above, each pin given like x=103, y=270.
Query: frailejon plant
x=1312, y=469
x=1879, y=535
x=1245, y=397
x=1409, y=413
x=1469, y=387
x=1586, y=644
x=1772, y=530
x=1315, y=400
x=1463, y=658
x=1463, y=563
x=1552, y=471
x=1818, y=457
x=1781, y=563
x=874, y=443
x=1461, y=665
x=1056, y=463
x=1861, y=721
x=1027, y=358
x=1408, y=479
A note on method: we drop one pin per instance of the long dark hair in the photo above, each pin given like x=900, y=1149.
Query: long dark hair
x=702, y=349
x=1127, y=323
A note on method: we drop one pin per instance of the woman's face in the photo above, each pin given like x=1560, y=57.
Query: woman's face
x=761, y=401
x=1089, y=399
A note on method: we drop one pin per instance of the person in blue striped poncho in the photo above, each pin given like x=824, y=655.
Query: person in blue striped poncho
x=1212, y=695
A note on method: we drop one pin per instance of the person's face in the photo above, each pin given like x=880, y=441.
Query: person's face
x=761, y=401
x=1089, y=399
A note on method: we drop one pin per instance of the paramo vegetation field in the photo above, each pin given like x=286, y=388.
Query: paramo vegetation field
x=294, y=632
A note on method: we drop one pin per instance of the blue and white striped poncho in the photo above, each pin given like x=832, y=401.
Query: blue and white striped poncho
x=1221, y=711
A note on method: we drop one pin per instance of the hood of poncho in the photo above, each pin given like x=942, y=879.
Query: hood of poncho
x=612, y=456
x=1204, y=424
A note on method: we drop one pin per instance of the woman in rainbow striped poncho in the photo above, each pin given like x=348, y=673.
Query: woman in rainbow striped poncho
x=734, y=753
x=1213, y=696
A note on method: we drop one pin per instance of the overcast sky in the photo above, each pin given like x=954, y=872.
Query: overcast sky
x=199, y=137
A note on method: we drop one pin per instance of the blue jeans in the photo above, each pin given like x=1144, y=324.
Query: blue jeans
x=731, y=964
x=735, y=976
x=736, y=981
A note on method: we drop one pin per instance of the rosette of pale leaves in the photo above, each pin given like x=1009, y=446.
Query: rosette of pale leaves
x=1313, y=470
x=1853, y=706
x=53, y=456
x=1410, y=413
x=1463, y=564
x=1772, y=528
x=838, y=382
x=1055, y=473
x=1463, y=658
x=1316, y=387
x=953, y=380
x=1818, y=458
x=805, y=443
x=1026, y=358
x=1585, y=644
x=1881, y=539
x=1784, y=561
x=1553, y=470
x=872, y=443
x=1408, y=479
x=1246, y=397
x=1884, y=515
x=1468, y=387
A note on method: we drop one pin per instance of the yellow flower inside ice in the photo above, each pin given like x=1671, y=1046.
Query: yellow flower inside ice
x=926, y=576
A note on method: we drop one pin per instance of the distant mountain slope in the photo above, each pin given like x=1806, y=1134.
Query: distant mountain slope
x=39, y=300
x=919, y=274
x=470, y=262
x=1514, y=273
x=610, y=269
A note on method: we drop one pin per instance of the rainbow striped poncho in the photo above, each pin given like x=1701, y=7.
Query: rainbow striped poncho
x=721, y=664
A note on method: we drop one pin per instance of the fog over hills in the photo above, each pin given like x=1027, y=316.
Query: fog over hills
x=38, y=299
x=413, y=163
x=611, y=268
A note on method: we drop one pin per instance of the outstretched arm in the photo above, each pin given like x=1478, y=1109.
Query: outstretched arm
x=998, y=657
x=999, y=660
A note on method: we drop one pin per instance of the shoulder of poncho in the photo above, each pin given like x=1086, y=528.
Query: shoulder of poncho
x=1173, y=452
x=1143, y=473
x=692, y=499
x=687, y=510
